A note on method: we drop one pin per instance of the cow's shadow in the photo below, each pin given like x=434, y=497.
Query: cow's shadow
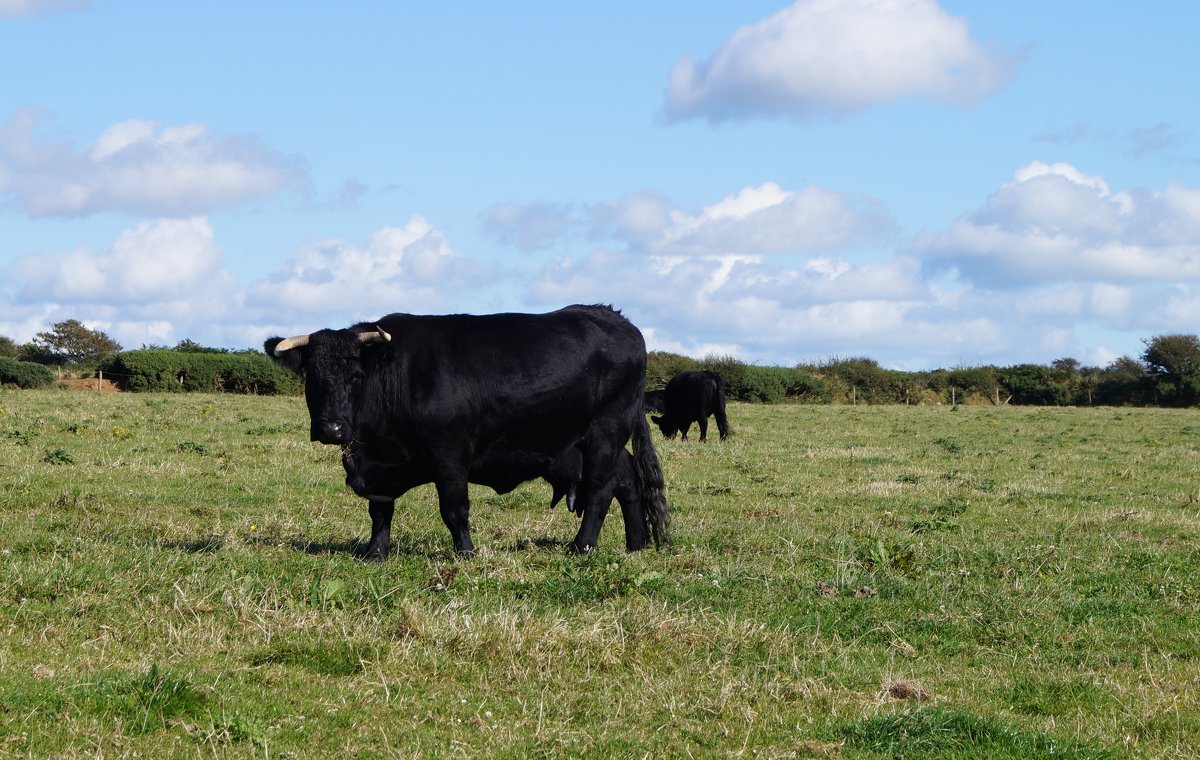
x=203, y=545
x=407, y=546
x=527, y=544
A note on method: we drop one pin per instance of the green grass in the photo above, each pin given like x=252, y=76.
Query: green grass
x=178, y=579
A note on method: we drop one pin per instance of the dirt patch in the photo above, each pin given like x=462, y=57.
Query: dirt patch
x=88, y=384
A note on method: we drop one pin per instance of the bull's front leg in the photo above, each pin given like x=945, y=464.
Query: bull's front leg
x=595, y=494
x=381, y=528
x=589, y=529
x=455, y=509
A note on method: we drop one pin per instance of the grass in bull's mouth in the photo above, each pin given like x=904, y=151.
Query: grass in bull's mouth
x=180, y=577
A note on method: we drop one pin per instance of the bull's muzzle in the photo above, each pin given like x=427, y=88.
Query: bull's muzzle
x=330, y=431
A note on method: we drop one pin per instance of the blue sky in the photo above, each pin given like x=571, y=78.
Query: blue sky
x=926, y=184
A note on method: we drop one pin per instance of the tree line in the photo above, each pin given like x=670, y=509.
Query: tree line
x=1167, y=373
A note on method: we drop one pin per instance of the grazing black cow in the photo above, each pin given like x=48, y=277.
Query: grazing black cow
x=495, y=400
x=692, y=397
x=653, y=401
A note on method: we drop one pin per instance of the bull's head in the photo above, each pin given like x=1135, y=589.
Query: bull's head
x=331, y=362
x=668, y=428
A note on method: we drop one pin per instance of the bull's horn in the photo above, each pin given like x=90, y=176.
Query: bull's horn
x=378, y=336
x=287, y=345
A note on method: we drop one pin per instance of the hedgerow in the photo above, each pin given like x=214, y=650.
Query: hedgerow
x=166, y=370
x=24, y=374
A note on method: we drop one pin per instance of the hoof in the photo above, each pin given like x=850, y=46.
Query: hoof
x=581, y=549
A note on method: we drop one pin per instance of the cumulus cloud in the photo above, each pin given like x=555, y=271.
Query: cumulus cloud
x=1054, y=223
x=836, y=57
x=158, y=260
x=766, y=219
x=154, y=278
x=1052, y=259
x=410, y=268
x=749, y=306
x=164, y=280
x=136, y=166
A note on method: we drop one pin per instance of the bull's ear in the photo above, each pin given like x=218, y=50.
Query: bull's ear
x=290, y=358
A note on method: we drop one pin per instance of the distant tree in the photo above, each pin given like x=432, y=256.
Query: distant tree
x=9, y=348
x=1174, y=362
x=1123, y=381
x=1125, y=367
x=189, y=346
x=1067, y=365
x=1173, y=356
x=70, y=342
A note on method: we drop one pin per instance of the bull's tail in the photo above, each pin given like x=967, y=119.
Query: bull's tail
x=722, y=420
x=652, y=491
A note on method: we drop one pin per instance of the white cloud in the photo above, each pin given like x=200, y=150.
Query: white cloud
x=161, y=281
x=749, y=306
x=157, y=282
x=765, y=219
x=136, y=166
x=411, y=268
x=837, y=56
x=1053, y=263
x=155, y=261
x=1054, y=223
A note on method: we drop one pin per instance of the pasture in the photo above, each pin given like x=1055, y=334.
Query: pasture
x=178, y=579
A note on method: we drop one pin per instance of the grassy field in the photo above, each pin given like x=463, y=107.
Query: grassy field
x=179, y=579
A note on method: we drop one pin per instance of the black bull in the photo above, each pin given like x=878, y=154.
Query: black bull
x=495, y=400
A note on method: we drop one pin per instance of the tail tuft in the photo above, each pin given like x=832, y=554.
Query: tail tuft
x=651, y=489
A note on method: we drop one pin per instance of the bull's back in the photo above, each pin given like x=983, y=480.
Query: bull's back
x=525, y=381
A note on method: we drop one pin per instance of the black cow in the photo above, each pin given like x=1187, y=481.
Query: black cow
x=495, y=400
x=653, y=401
x=692, y=397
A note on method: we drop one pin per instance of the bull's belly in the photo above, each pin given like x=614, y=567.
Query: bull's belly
x=375, y=478
x=504, y=472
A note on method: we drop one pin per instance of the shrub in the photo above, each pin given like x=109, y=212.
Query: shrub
x=981, y=380
x=661, y=366
x=164, y=370
x=862, y=380
x=1033, y=384
x=765, y=385
x=24, y=374
x=734, y=372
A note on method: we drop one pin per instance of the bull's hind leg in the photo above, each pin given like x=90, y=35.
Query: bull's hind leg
x=455, y=508
x=381, y=528
x=625, y=492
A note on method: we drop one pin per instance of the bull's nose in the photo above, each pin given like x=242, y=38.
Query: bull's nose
x=331, y=432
